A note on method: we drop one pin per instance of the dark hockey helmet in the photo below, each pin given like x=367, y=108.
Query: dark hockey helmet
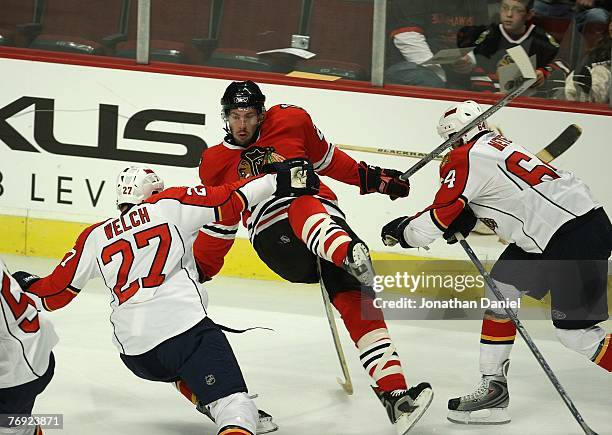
x=242, y=94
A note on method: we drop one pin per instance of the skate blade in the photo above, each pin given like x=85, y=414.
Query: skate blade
x=483, y=416
x=406, y=421
x=265, y=427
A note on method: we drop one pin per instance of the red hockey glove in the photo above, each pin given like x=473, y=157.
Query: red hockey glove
x=387, y=181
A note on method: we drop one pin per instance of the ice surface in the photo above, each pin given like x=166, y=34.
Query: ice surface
x=294, y=368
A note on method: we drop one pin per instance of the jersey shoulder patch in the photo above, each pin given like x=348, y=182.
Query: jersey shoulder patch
x=445, y=160
x=456, y=158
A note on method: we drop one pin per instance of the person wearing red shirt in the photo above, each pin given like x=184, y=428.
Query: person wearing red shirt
x=307, y=239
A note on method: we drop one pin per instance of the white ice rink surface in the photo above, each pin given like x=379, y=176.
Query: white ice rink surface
x=294, y=369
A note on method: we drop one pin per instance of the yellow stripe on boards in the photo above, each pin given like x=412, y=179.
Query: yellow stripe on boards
x=36, y=237
x=13, y=234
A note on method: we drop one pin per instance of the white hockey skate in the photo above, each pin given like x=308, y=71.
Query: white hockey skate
x=264, y=421
x=358, y=263
x=487, y=405
x=406, y=407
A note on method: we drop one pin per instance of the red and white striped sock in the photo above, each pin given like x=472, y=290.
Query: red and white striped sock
x=367, y=328
x=315, y=227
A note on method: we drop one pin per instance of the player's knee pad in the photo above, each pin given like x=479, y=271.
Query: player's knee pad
x=235, y=410
x=509, y=292
x=583, y=341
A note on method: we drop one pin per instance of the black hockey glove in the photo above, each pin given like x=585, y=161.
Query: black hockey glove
x=25, y=279
x=393, y=232
x=464, y=223
x=386, y=181
x=294, y=177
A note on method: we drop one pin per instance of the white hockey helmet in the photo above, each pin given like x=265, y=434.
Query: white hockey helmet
x=135, y=184
x=458, y=116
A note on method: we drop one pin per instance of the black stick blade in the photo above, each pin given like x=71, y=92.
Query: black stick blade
x=559, y=145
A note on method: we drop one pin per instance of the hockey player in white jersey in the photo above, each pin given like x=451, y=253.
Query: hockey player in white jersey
x=559, y=237
x=26, y=357
x=159, y=318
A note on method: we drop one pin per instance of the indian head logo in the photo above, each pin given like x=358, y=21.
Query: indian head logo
x=254, y=158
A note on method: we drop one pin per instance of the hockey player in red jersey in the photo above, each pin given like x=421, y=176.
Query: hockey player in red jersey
x=291, y=235
x=27, y=363
x=160, y=324
x=560, y=239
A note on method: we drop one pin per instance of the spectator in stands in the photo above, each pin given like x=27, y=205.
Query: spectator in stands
x=418, y=29
x=591, y=79
x=586, y=11
x=514, y=29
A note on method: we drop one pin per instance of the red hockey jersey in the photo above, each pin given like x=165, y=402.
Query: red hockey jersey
x=287, y=132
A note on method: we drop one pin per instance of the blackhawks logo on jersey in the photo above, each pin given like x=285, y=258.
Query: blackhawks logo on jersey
x=254, y=158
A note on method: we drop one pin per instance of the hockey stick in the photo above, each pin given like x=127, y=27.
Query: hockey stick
x=522, y=61
x=385, y=151
x=566, y=139
x=347, y=384
x=521, y=329
x=554, y=149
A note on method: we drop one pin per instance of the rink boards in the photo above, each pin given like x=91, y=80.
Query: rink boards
x=67, y=130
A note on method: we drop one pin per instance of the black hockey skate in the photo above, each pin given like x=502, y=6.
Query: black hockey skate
x=358, y=262
x=488, y=404
x=405, y=407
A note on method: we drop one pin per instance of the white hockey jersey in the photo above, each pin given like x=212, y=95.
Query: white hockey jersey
x=145, y=258
x=26, y=338
x=522, y=199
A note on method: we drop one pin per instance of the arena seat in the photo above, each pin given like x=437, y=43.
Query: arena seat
x=247, y=27
x=16, y=13
x=341, y=36
x=178, y=28
x=81, y=26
